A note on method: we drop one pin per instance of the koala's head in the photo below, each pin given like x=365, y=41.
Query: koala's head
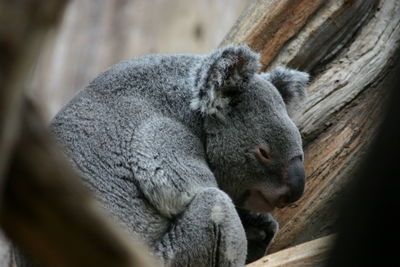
x=252, y=146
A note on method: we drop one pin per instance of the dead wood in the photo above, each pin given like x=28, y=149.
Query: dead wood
x=349, y=48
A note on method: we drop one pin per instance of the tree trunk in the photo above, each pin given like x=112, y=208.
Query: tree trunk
x=312, y=253
x=349, y=47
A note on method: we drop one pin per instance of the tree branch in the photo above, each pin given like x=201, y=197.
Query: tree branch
x=267, y=25
x=312, y=253
x=349, y=47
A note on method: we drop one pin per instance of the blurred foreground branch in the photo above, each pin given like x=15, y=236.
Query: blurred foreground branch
x=44, y=208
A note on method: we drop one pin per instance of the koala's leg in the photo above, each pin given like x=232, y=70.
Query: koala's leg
x=207, y=233
x=171, y=171
x=260, y=229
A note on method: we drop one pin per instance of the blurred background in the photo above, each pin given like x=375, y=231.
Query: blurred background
x=95, y=34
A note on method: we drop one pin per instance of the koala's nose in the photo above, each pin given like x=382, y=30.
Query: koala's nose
x=295, y=182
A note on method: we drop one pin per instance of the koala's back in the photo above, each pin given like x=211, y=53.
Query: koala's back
x=97, y=127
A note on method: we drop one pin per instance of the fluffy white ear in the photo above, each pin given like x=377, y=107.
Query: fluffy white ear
x=290, y=83
x=222, y=73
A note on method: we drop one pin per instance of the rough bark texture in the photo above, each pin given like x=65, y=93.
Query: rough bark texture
x=266, y=32
x=365, y=226
x=313, y=253
x=349, y=47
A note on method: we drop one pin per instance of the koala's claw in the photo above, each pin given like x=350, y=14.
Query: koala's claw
x=261, y=229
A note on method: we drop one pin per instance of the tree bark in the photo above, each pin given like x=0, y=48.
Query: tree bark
x=312, y=253
x=349, y=47
x=267, y=25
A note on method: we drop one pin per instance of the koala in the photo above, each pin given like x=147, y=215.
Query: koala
x=190, y=152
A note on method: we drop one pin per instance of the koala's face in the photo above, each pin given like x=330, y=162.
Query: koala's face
x=252, y=146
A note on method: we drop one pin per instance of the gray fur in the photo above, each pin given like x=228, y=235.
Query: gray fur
x=290, y=84
x=166, y=143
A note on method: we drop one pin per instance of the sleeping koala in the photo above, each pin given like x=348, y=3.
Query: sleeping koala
x=190, y=152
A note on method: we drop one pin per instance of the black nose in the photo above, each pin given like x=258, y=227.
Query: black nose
x=295, y=181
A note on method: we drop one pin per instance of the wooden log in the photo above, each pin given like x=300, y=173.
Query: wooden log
x=266, y=25
x=326, y=33
x=349, y=48
x=339, y=121
x=313, y=253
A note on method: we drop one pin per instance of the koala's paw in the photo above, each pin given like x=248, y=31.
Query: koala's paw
x=261, y=229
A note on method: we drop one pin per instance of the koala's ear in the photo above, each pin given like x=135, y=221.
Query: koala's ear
x=221, y=74
x=290, y=83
